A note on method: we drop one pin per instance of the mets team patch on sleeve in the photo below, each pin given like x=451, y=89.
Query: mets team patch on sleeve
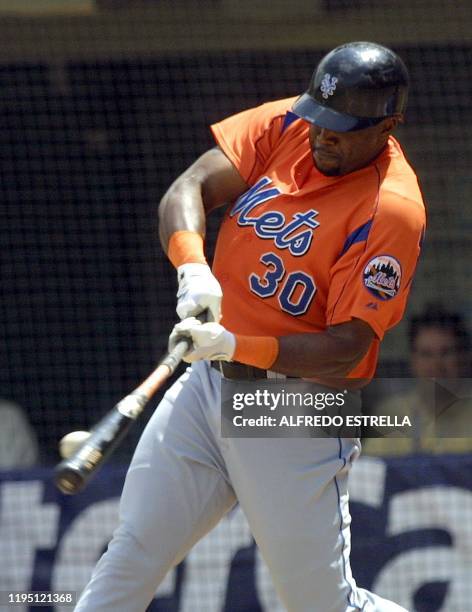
x=382, y=277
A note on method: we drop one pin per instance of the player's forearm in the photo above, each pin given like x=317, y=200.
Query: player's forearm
x=208, y=183
x=182, y=209
x=182, y=231
x=317, y=355
x=333, y=353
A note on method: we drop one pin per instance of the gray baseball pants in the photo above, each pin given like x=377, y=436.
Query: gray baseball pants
x=184, y=477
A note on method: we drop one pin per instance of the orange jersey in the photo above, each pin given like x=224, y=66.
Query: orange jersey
x=300, y=251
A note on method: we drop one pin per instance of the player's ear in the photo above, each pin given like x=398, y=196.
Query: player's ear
x=390, y=123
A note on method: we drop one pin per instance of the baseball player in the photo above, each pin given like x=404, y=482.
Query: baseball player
x=313, y=264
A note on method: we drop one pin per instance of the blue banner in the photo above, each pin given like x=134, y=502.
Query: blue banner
x=411, y=539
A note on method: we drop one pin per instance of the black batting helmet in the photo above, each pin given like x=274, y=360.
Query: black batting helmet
x=355, y=86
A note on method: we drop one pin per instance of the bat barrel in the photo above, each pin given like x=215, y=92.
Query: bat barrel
x=72, y=474
x=69, y=479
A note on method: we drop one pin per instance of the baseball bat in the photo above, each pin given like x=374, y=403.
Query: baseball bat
x=73, y=473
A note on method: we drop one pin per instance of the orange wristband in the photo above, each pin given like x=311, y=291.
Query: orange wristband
x=258, y=351
x=186, y=247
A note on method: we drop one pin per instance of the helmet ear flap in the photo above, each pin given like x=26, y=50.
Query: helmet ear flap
x=355, y=86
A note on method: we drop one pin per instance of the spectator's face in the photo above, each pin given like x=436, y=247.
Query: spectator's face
x=436, y=354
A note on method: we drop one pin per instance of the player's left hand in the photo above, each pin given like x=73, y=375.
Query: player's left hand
x=210, y=340
x=198, y=290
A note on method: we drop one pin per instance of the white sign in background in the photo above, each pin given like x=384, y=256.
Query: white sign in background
x=30, y=525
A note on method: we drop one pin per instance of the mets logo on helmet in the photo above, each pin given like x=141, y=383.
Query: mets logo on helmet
x=328, y=85
x=382, y=277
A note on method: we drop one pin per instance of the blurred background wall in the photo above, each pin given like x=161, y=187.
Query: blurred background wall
x=103, y=103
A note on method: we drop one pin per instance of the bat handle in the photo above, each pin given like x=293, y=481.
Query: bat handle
x=172, y=359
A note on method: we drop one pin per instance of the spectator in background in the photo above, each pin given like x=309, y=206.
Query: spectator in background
x=439, y=349
x=18, y=443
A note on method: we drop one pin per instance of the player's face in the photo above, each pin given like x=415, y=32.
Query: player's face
x=338, y=153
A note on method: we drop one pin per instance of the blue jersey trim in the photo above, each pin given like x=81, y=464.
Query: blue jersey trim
x=289, y=119
x=358, y=235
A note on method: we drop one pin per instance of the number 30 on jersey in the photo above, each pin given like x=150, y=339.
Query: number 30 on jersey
x=294, y=293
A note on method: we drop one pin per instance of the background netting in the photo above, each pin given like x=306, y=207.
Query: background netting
x=103, y=104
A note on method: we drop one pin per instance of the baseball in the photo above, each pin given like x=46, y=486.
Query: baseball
x=71, y=442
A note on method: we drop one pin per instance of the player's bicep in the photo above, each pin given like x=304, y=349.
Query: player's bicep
x=221, y=182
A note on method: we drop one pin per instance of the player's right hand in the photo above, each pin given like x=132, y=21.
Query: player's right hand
x=210, y=341
x=198, y=290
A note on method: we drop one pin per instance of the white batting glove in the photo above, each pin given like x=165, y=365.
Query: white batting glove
x=198, y=290
x=210, y=340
